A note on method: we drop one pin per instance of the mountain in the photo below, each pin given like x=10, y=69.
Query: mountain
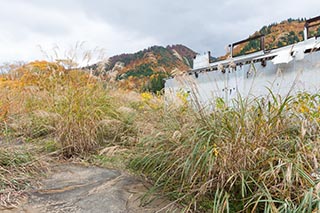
x=146, y=69
x=277, y=35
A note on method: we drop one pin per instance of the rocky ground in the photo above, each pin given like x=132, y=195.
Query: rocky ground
x=76, y=188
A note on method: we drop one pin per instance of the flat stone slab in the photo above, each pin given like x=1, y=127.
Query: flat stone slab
x=75, y=188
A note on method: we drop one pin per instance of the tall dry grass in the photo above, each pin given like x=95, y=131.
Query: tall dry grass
x=44, y=99
x=256, y=156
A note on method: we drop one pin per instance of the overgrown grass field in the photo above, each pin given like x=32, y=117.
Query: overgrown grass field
x=258, y=155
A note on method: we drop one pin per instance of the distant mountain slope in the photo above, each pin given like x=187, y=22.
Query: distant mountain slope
x=146, y=69
x=161, y=58
x=277, y=35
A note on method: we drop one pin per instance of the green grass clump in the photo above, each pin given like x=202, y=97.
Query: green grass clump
x=256, y=156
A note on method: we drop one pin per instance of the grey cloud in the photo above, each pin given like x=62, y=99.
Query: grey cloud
x=200, y=24
x=21, y=19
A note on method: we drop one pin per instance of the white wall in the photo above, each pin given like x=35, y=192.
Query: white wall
x=252, y=80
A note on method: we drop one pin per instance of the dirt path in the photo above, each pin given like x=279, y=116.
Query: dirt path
x=75, y=188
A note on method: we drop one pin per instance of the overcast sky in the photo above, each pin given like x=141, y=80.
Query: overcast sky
x=119, y=26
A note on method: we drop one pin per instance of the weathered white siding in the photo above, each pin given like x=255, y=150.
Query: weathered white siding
x=287, y=70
